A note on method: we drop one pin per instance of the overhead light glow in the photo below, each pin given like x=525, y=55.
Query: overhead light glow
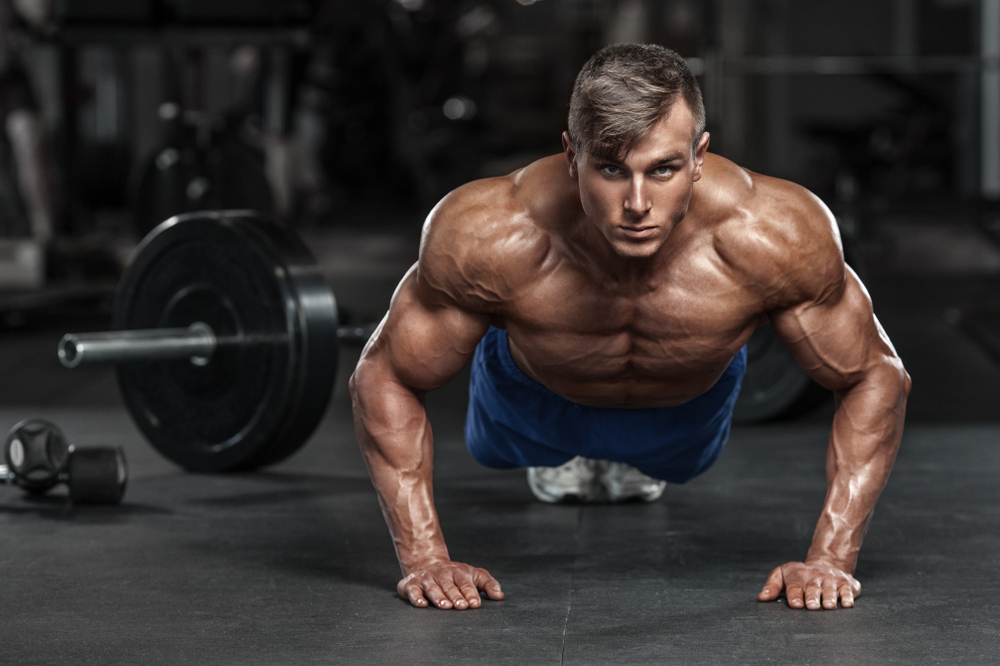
x=459, y=108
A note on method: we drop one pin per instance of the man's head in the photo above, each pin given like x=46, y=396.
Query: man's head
x=622, y=91
x=636, y=144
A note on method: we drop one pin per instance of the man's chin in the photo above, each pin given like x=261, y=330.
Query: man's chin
x=633, y=249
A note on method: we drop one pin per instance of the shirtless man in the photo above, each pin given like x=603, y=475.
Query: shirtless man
x=607, y=294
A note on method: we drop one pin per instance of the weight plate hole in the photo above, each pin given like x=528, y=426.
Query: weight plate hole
x=16, y=453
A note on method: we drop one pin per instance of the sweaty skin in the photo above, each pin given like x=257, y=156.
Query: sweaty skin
x=629, y=283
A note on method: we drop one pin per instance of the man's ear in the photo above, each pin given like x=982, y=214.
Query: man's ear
x=699, y=155
x=570, y=149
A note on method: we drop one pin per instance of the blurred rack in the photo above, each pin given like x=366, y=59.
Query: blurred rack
x=857, y=65
x=177, y=36
x=841, y=65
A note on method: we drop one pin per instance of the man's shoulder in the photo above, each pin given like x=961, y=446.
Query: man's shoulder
x=485, y=236
x=774, y=233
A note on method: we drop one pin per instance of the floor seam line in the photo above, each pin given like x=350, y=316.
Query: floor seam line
x=569, y=607
x=572, y=585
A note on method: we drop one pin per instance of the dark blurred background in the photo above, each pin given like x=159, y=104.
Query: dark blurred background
x=344, y=105
x=349, y=119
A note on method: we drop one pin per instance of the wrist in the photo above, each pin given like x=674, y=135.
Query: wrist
x=413, y=560
x=845, y=563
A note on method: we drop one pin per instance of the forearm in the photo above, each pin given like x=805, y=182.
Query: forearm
x=397, y=446
x=867, y=428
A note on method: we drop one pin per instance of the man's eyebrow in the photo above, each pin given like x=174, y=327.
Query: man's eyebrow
x=670, y=158
x=606, y=161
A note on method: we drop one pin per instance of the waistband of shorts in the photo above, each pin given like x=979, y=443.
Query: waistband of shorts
x=515, y=373
x=507, y=360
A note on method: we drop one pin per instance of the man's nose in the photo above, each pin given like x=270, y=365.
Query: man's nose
x=637, y=203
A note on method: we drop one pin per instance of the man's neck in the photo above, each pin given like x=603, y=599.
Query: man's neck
x=612, y=267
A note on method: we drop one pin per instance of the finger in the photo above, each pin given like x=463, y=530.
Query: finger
x=794, y=594
x=846, y=596
x=413, y=593
x=772, y=588
x=436, y=596
x=471, y=595
x=402, y=585
x=830, y=598
x=488, y=584
x=455, y=596
x=468, y=588
x=813, y=593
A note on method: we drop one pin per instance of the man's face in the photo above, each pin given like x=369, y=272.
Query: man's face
x=637, y=201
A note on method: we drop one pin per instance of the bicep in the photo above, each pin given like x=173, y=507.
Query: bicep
x=424, y=343
x=836, y=340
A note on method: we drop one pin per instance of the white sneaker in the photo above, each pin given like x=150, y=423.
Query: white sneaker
x=575, y=480
x=624, y=482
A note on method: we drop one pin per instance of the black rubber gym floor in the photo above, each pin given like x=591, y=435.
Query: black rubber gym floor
x=294, y=565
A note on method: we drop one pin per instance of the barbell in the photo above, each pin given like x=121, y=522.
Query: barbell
x=225, y=339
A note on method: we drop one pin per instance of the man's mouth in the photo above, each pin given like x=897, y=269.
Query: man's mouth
x=638, y=232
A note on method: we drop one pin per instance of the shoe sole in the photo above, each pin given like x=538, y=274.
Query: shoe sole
x=616, y=497
x=567, y=498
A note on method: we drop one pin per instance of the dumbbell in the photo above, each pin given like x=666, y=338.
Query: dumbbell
x=225, y=342
x=38, y=457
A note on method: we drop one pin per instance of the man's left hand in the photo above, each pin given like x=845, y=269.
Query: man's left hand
x=815, y=584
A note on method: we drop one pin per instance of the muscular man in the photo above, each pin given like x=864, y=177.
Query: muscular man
x=607, y=295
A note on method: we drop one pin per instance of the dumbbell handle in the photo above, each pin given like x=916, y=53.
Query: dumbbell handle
x=7, y=476
x=196, y=342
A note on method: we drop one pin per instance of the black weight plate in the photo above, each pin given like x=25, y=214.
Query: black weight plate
x=774, y=384
x=97, y=475
x=266, y=387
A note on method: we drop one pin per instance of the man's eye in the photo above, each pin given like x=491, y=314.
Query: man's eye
x=663, y=171
x=611, y=170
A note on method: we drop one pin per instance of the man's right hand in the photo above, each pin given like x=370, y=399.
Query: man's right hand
x=448, y=585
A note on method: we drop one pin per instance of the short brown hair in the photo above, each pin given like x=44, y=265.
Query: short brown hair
x=625, y=89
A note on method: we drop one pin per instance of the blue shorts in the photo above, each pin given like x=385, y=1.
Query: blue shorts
x=514, y=421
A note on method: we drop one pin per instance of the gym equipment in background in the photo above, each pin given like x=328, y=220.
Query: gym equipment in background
x=38, y=457
x=225, y=341
x=206, y=164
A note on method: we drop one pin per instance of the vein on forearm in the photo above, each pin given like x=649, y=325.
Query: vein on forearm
x=863, y=443
x=397, y=446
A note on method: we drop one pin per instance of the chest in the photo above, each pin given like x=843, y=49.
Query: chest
x=689, y=319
